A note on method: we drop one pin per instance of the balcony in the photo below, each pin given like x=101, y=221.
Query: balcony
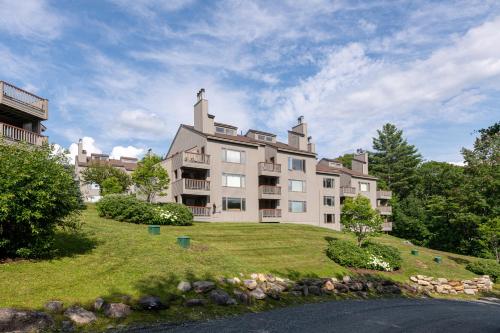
x=191, y=160
x=16, y=134
x=387, y=226
x=21, y=100
x=269, y=169
x=269, y=215
x=385, y=210
x=384, y=195
x=347, y=191
x=191, y=186
x=269, y=192
x=200, y=211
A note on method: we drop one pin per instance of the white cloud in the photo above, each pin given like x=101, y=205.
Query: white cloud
x=31, y=19
x=89, y=145
x=130, y=151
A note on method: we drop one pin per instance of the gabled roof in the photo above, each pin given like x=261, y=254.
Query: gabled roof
x=324, y=168
x=260, y=132
x=225, y=125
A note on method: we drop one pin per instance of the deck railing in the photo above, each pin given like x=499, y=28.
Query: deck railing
x=385, y=209
x=22, y=96
x=200, y=210
x=268, y=189
x=196, y=184
x=18, y=134
x=271, y=167
x=196, y=158
x=347, y=190
x=384, y=194
x=270, y=213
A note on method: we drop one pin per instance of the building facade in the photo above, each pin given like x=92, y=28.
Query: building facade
x=91, y=192
x=21, y=115
x=225, y=176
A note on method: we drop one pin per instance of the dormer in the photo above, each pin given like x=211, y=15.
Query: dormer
x=261, y=136
x=225, y=129
x=334, y=164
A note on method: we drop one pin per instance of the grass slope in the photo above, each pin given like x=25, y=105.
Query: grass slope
x=110, y=258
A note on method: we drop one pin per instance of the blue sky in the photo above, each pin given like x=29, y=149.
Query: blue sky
x=124, y=74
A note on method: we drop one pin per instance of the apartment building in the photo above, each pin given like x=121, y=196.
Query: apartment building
x=91, y=192
x=21, y=115
x=225, y=176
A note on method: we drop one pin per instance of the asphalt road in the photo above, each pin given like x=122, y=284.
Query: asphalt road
x=385, y=315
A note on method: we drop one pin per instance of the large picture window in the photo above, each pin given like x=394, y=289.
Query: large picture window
x=328, y=182
x=296, y=185
x=232, y=180
x=233, y=156
x=297, y=206
x=296, y=164
x=364, y=187
x=234, y=204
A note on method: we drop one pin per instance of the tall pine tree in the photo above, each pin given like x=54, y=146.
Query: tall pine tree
x=394, y=160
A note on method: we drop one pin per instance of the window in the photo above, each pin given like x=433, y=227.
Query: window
x=221, y=130
x=364, y=187
x=328, y=182
x=233, y=204
x=229, y=131
x=268, y=138
x=296, y=185
x=328, y=201
x=329, y=218
x=335, y=164
x=297, y=206
x=233, y=156
x=296, y=164
x=263, y=137
x=231, y=180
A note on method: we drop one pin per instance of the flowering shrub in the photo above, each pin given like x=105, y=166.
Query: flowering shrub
x=379, y=264
x=173, y=214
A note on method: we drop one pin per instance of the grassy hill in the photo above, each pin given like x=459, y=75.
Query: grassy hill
x=110, y=258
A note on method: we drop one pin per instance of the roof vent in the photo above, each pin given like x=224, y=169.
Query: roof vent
x=300, y=119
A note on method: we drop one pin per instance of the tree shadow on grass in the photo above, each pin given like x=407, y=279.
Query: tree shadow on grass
x=70, y=244
x=460, y=261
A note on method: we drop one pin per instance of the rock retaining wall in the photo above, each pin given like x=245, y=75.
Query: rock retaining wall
x=430, y=284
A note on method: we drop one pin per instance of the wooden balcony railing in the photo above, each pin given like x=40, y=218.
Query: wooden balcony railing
x=18, y=134
x=22, y=96
x=270, y=213
x=270, y=167
x=385, y=209
x=347, y=190
x=196, y=158
x=200, y=210
x=268, y=189
x=384, y=194
x=196, y=184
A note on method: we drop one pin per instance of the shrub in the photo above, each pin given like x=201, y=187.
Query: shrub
x=485, y=267
x=370, y=255
x=37, y=194
x=173, y=214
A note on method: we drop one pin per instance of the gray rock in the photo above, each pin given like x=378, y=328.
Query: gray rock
x=98, y=303
x=346, y=279
x=184, y=286
x=151, y=303
x=117, y=310
x=250, y=284
x=220, y=297
x=257, y=294
x=469, y=291
x=242, y=297
x=356, y=286
x=126, y=299
x=305, y=290
x=203, y=286
x=273, y=295
x=67, y=326
x=12, y=320
x=296, y=293
x=341, y=288
x=195, y=302
x=391, y=289
x=79, y=315
x=313, y=282
x=54, y=306
x=314, y=290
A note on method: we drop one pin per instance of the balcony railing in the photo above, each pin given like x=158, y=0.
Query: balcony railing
x=193, y=160
x=268, y=189
x=387, y=226
x=344, y=190
x=22, y=100
x=196, y=184
x=270, y=213
x=196, y=158
x=384, y=194
x=385, y=209
x=200, y=210
x=18, y=134
x=269, y=167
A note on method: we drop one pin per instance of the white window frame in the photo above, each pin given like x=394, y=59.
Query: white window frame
x=325, y=218
x=325, y=181
x=225, y=152
x=225, y=202
x=292, y=181
x=291, y=165
x=226, y=183
x=327, y=198
x=291, y=206
x=361, y=186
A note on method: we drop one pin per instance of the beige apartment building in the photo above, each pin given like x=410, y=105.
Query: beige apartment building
x=225, y=176
x=91, y=192
x=21, y=115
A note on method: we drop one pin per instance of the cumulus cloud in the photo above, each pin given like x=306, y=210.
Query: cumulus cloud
x=129, y=151
x=91, y=147
x=89, y=144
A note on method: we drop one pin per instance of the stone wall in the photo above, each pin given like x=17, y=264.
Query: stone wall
x=444, y=286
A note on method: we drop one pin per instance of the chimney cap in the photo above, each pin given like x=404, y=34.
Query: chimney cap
x=300, y=119
x=309, y=139
x=201, y=94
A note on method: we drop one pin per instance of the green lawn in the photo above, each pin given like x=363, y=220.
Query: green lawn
x=111, y=258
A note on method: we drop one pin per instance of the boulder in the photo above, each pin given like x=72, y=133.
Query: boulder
x=341, y=288
x=98, y=303
x=234, y=280
x=151, y=303
x=346, y=279
x=12, y=320
x=257, y=294
x=454, y=283
x=79, y=315
x=442, y=280
x=250, y=284
x=254, y=276
x=184, y=286
x=469, y=291
x=413, y=279
x=242, y=296
x=54, y=306
x=270, y=278
x=273, y=294
x=67, y=326
x=279, y=280
x=459, y=288
x=440, y=289
x=203, y=286
x=220, y=297
x=312, y=282
x=195, y=302
x=117, y=310
x=334, y=280
x=452, y=292
x=423, y=283
x=329, y=285
x=314, y=290
x=296, y=293
x=261, y=277
x=356, y=286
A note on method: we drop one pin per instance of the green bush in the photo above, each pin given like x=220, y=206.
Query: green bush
x=37, y=194
x=173, y=214
x=127, y=208
x=371, y=255
x=485, y=267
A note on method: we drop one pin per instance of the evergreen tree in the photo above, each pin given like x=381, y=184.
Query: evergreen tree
x=394, y=160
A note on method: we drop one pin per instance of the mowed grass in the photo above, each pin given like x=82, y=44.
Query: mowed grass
x=115, y=258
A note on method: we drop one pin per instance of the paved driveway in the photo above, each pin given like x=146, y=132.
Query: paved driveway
x=386, y=315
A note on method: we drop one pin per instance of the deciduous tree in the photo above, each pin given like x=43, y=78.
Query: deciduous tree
x=150, y=178
x=360, y=218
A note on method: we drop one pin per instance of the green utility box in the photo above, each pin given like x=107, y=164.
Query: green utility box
x=438, y=260
x=154, y=229
x=183, y=241
x=414, y=252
